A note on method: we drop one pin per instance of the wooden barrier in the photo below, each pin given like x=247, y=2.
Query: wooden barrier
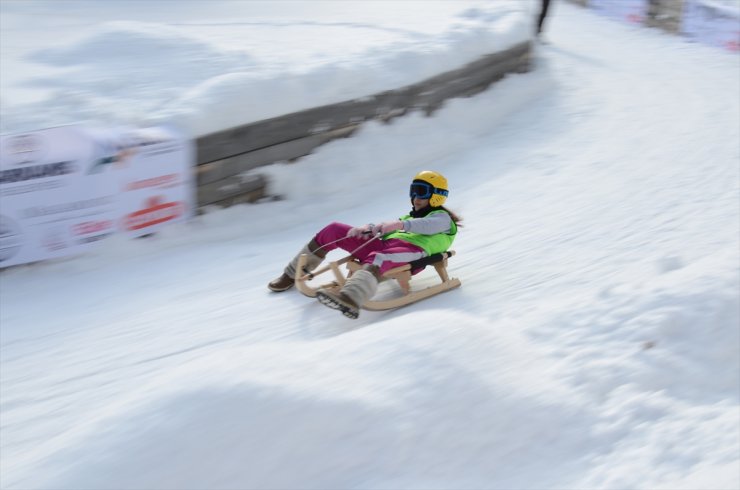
x=224, y=157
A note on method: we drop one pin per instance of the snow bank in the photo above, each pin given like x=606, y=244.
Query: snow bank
x=667, y=330
x=669, y=383
x=426, y=405
x=146, y=73
x=443, y=399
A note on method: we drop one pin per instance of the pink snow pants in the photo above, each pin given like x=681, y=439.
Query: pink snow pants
x=386, y=254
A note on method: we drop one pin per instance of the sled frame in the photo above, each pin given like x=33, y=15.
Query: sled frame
x=401, y=274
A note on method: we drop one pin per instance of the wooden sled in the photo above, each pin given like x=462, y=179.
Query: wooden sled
x=402, y=274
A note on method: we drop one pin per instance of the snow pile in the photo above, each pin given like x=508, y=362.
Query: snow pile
x=661, y=356
x=334, y=413
x=121, y=59
x=636, y=387
x=145, y=73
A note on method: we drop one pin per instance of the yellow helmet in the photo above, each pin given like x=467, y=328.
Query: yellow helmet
x=435, y=190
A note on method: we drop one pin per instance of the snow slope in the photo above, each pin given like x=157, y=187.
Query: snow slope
x=595, y=342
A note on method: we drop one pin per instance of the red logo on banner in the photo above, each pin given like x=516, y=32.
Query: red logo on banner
x=169, y=180
x=155, y=212
x=89, y=227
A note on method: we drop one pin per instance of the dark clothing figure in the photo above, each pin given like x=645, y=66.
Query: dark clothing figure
x=543, y=13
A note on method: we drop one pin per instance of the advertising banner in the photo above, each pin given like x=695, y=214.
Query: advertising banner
x=714, y=23
x=64, y=189
x=154, y=177
x=630, y=11
x=51, y=205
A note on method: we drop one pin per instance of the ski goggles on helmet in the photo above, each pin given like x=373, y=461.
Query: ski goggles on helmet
x=422, y=190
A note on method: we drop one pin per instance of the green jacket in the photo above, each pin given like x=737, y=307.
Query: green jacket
x=430, y=243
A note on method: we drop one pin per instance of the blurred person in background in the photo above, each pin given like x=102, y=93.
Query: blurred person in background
x=544, y=6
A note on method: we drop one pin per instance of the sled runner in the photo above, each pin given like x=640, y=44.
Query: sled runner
x=402, y=274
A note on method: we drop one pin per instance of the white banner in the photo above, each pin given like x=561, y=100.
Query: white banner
x=631, y=11
x=155, y=179
x=64, y=189
x=712, y=22
x=50, y=203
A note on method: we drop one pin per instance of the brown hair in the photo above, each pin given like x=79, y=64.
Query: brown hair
x=455, y=217
x=423, y=212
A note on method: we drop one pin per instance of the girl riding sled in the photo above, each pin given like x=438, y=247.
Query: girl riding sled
x=428, y=229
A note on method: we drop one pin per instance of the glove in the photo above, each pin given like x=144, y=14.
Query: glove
x=387, y=227
x=363, y=231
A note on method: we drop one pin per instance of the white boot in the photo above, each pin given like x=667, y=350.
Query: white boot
x=312, y=261
x=356, y=291
x=314, y=256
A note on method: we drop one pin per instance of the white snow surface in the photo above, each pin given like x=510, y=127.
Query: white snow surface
x=236, y=61
x=594, y=343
